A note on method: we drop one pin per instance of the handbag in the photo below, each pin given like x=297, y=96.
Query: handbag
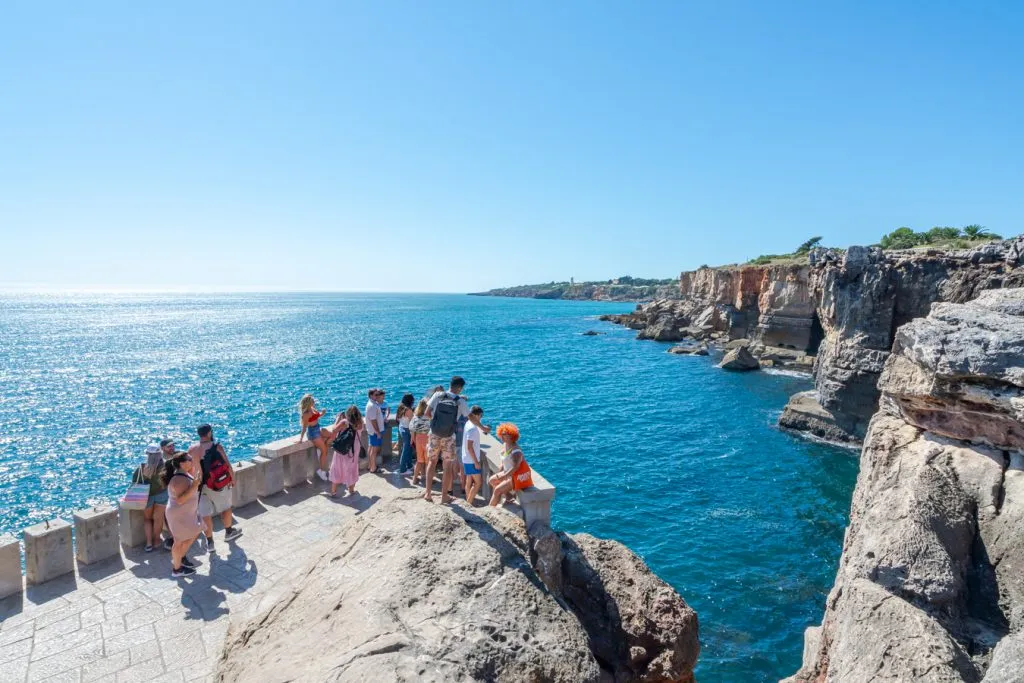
x=136, y=497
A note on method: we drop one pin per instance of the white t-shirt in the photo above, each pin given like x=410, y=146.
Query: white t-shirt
x=463, y=404
x=472, y=436
x=375, y=415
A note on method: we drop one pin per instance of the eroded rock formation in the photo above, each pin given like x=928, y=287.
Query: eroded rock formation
x=930, y=586
x=417, y=592
x=840, y=312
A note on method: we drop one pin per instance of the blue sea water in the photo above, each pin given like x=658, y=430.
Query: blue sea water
x=675, y=458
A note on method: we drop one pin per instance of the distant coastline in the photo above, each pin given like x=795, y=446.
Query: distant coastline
x=619, y=289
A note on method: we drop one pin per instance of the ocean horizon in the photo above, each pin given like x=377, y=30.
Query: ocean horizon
x=678, y=460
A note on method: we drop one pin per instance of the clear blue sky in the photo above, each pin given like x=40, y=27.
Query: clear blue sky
x=453, y=146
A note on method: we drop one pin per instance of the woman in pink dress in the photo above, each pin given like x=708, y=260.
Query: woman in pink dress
x=182, y=477
x=345, y=466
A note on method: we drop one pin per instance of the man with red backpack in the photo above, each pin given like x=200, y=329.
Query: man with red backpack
x=215, y=493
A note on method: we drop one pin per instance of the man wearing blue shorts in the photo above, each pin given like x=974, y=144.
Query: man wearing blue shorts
x=472, y=456
x=376, y=422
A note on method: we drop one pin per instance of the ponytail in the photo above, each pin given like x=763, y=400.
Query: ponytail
x=172, y=464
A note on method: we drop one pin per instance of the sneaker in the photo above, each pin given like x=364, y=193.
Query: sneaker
x=231, y=533
x=406, y=472
x=168, y=543
x=322, y=474
x=209, y=544
x=185, y=570
x=185, y=562
x=148, y=549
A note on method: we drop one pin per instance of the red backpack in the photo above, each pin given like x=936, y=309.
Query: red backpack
x=216, y=472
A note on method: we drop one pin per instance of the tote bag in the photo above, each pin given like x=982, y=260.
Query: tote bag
x=136, y=497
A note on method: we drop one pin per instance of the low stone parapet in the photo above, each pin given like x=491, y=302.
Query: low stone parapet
x=10, y=566
x=131, y=527
x=96, y=534
x=271, y=475
x=246, y=488
x=48, y=551
x=296, y=456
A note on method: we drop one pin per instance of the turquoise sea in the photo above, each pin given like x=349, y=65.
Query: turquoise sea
x=677, y=459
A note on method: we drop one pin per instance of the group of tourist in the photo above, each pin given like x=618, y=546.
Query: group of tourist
x=441, y=428
x=186, y=489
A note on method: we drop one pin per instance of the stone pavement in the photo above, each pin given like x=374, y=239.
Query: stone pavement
x=125, y=619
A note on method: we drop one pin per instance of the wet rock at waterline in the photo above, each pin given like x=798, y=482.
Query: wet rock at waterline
x=739, y=359
x=689, y=350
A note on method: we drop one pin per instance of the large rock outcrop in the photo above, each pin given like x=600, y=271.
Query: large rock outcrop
x=418, y=592
x=862, y=298
x=771, y=305
x=930, y=586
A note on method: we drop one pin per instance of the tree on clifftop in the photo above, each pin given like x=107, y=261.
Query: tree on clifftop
x=808, y=245
x=902, y=238
x=977, y=232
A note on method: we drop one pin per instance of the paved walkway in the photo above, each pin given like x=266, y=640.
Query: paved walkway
x=126, y=620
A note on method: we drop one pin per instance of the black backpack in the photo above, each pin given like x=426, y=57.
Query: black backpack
x=344, y=441
x=446, y=416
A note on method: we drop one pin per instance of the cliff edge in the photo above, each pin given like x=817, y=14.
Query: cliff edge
x=417, y=592
x=929, y=586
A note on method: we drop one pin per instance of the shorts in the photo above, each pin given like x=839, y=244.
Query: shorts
x=157, y=499
x=445, y=445
x=313, y=432
x=376, y=440
x=470, y=468
x=421, y=447
x=214, y=502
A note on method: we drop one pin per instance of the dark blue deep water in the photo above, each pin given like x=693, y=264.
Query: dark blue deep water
x=675, y=458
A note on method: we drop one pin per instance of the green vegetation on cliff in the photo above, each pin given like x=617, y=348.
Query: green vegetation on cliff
x=939, y=236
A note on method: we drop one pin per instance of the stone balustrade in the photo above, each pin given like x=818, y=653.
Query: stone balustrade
x=100, y=531
x=535, y=501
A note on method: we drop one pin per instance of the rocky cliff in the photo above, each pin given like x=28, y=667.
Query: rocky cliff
x=840, y=312
x=417, y=592
x=861, y=299
x=930, y=586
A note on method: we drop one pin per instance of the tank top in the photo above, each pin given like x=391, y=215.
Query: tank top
x=506, y=458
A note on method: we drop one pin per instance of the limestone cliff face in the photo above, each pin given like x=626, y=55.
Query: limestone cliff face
x=930, y=587
x=861, y=299
x=418, y=592
x=772, y=305
x=840, y=312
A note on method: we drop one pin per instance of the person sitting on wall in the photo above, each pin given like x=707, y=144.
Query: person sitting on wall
x=515, y=474
x=309, y=420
